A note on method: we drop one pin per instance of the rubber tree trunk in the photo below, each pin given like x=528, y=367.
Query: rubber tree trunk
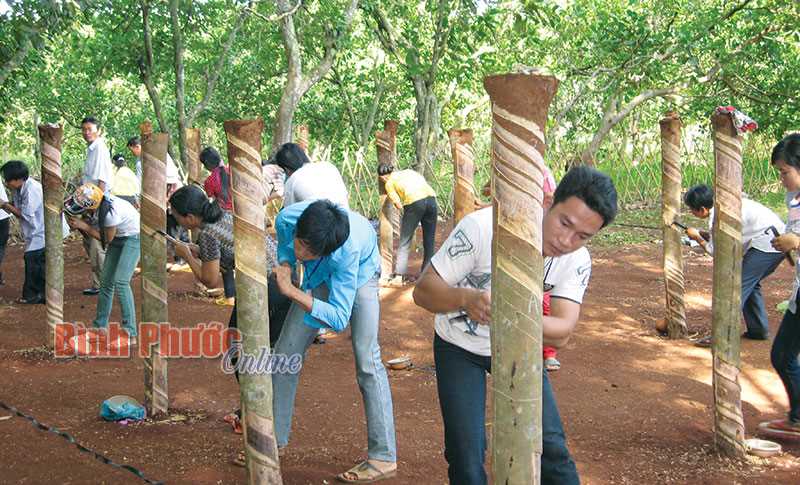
x=193, y=165
x=154, y=261
x=519, y=107
x=244, y=154
x=464, y=172
x=50, y=138
x=301, y=137
x=726, y=306
x=385, y=144
x=670, y=210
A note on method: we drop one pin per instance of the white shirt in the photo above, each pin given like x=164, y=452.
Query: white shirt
x=793, y=226
x=756, y=222
x=465, y=261
x=320, y=180
x=98, y=167
x=123, y=216
x=3, y=198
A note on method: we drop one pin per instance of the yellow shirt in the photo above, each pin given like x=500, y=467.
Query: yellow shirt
x=408, y=186
x=125, y=182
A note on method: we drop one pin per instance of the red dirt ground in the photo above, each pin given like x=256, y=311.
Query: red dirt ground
x=637, y=408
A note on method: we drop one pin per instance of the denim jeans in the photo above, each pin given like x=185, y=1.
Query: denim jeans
x=122, y=255
x=295, y=338
x=785, y=354
x=461, y=382
x=228, y=282
x=423, y=211
x=756, y=266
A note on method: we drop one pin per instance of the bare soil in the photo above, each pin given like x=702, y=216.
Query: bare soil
x=637, y=408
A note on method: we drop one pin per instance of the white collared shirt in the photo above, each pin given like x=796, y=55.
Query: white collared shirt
x=98, y=166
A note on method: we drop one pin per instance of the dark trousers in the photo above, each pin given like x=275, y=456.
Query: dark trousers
x=784, y=356
x=33, y=288
x=461, y=382
x=5, y=226
x=229, y=283
x=756, y=266
x=278, y=307
x=423, y=211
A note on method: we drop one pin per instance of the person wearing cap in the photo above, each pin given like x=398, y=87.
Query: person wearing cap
x=126, y=184
x=118, y=234
x=28, y=207
x=97, y=170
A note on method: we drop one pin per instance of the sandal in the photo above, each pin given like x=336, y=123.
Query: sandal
x=241, y=457
x=552, y=364
x=783, y=425
x=365, y=472
x=235, y=422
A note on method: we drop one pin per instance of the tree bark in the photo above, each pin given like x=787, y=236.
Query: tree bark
x=244, y=155
x=670, y=210
x=385, y=143
x=520, y=104
x=154, y=261
x=464, y=173
x=726, y=306
x=51, y=137
x=301, y=137
x=297, y=82
x=146, y=68
x=193, y=145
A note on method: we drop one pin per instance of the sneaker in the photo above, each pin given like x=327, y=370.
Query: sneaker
x=751, y=336
x=91, y=291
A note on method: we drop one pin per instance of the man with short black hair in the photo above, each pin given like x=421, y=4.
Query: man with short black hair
x=135, y=146
x=759, y=260
x=456, y=286
x=309, y=181
x=339, y=252
x=97, y=170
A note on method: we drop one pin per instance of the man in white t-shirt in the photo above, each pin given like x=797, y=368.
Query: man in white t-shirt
x=759, y=261
x=97, y=170
x=457, y=288
x=309, y=181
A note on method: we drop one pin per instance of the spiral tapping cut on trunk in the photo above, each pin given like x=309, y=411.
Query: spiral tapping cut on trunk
x=52, y=183
x=520, y=104
x=244, y=148
x=728, y=421
x=464, y=169
x=670, y=209
x=154, y=261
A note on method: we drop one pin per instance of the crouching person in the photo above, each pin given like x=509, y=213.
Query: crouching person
x=457, y=288
x=338, y=249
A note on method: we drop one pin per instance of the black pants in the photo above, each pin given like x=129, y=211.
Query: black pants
x=229, y=283
x=5, y=226
x=278, y=308
x=424, y=212
x=33, y=289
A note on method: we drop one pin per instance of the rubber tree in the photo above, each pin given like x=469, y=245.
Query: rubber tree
x=464, y=171
x=385, y=145
x=249, y=219
x=520, y=103
x=50, y=137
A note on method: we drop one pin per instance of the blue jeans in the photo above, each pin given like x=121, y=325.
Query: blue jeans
x=756, y=266
x=295, y=338
x=461, y=382
x=122, y=255
x=784, y=356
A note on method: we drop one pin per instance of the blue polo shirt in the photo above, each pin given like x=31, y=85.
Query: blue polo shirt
x=344, y=271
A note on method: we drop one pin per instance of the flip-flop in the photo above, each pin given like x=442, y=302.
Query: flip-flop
x=365, y=472
x=779, y=428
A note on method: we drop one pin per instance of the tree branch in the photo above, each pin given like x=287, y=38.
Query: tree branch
x=332, y=40
x=146, y=68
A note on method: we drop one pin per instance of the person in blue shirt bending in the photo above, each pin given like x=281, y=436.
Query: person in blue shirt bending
x=339, y=252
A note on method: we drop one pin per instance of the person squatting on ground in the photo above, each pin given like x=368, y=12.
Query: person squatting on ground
x=785, y=353
x=118, y=221
x=214, y=254
x=218, y=183
x=409, y=191
x=126, y=184
x=338, y=249
x=760, y=259
x=97, y=170
x=457, y=288
x=28, y=207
